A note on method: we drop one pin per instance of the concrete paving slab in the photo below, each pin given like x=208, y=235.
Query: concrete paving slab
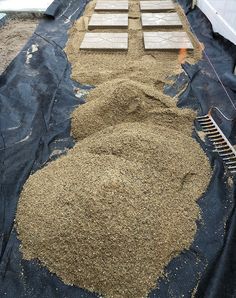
x=111, y=5
x=105, y=41
x=118, y=20
x=157, y=5
x=166, y=40
x=161, y=20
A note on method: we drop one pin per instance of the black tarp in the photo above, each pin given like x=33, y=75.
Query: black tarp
x=36, y=99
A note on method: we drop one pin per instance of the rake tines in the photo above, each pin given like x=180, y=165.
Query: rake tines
x=223, y=147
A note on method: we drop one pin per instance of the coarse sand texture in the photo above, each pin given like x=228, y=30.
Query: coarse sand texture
x=13, y=36
x=122, y=100
x=110, y=214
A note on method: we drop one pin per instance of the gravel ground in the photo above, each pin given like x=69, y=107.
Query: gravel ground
x=13, y=35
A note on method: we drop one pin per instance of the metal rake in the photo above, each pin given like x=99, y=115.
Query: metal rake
x=223, y=147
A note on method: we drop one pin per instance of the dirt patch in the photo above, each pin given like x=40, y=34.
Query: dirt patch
x=116, y=209
x=13, y=35
x=151, y=67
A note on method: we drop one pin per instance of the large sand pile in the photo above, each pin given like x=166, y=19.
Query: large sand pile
x=113, y=212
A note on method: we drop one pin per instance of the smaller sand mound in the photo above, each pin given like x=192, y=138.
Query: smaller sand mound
x=124, y=100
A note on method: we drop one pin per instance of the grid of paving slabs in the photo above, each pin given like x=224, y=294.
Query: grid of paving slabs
x=115, y=19
x=155, y=14
x=160, y=14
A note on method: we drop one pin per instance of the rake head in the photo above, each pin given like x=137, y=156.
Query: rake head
x=225, y=150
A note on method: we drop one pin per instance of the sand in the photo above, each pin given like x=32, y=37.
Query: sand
x=123, y=100
x=112, y=213
x=116, y=209
x=13, y=37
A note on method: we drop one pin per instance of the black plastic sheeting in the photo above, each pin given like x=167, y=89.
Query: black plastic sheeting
x=212, y=84
x=36, y=100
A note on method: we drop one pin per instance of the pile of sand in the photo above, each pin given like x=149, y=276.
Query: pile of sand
x=123, y=100
x=111, y=214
